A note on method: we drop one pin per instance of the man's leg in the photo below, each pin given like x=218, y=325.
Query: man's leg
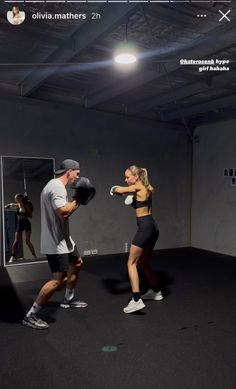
x=31, y=318
x=75, y=266
x=48, y=289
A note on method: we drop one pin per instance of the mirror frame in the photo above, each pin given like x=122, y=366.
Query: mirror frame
x=3, y=262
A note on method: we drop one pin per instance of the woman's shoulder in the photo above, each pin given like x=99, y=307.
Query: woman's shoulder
x=29, y=205
x=139, y=186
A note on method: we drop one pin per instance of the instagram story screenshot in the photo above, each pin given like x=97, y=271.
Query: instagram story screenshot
x=118, y=194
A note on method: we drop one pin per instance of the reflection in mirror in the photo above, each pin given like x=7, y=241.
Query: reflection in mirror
x=23, y=179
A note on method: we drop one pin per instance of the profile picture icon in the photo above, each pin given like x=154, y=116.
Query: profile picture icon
x=15, y=16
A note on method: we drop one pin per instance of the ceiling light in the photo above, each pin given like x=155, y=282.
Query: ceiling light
x=125, y=58
x=125, y=55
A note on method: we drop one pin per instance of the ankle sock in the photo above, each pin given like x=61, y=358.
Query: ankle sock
x=34, y=309
x=155, y=288
x=69, y=294
x=136, y=296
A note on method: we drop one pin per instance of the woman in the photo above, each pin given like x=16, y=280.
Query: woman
x=17, y=16
x=140, y=197
x=24, y=211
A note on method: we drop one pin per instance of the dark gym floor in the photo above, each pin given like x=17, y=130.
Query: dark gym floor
x=186, y=341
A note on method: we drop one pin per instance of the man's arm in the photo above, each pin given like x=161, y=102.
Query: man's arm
x=67, y=209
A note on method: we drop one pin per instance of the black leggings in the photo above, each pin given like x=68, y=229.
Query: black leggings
x=147, y=233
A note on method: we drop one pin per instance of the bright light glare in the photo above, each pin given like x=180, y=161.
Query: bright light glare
x=125, y=58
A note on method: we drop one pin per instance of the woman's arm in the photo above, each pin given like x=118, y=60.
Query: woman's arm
x=126, y=189
x=12, y=205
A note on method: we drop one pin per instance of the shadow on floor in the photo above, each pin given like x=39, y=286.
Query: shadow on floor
x=122, y=285
x=11, y=309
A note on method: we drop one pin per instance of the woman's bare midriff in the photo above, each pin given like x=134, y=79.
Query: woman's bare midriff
x=143, y=212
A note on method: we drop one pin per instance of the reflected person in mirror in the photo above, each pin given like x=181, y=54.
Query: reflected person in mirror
x=24, y=211
x=63, y=257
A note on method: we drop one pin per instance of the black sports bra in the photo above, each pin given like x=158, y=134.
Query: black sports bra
x=141, y=204
x=21, y=211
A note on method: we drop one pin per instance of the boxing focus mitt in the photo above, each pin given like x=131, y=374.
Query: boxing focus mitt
x=84, y=191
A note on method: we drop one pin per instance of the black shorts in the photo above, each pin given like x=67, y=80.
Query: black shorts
x=147, y=233
x=60, y=262
x=23, y=225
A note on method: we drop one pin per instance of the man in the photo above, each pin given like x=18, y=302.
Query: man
x=61, y=252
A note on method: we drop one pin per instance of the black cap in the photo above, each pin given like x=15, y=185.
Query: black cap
x=68, y=164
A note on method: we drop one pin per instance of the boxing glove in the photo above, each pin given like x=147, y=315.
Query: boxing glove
x=84, y=191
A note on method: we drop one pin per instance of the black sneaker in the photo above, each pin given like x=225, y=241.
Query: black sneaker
x=33, y=321
x=73, y=303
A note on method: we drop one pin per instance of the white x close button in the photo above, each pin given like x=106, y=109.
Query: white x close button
x=224, y=15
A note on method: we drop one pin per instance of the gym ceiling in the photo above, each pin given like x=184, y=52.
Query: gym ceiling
x=70, y=61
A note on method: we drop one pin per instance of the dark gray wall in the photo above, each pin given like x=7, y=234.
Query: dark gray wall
x=105, y=144
x=214, y=196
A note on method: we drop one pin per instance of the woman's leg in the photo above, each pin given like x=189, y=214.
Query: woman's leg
x=153, y=292
x=17, y=240
x=136, y=302
x=144, y=264
x=28, y=242
x=134, y=256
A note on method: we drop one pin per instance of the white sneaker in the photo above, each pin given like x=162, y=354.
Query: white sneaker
x=12, y=259
x=151, y=295
x=134, y=306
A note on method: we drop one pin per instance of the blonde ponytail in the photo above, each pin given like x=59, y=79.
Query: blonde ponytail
x=142, y=174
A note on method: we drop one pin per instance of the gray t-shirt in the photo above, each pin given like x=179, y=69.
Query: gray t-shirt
x=55, y=235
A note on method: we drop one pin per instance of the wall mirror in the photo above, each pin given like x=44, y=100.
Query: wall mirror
x=22, y=180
